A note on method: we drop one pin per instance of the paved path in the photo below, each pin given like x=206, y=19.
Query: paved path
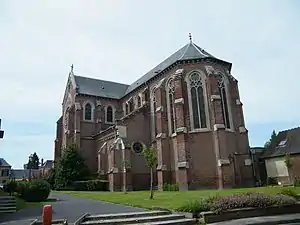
x=67, y=207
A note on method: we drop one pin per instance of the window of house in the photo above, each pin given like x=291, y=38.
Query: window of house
x=197, y=100
x=224, y=100
x=88, y=111
x=109, y=114
x=171, y=107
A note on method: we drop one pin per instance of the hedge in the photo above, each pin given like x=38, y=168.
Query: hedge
x=88, y=185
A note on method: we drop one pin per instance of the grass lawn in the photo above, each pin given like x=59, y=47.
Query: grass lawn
x=169, y=200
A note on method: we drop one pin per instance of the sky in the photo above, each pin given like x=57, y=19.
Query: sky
x=121, y=40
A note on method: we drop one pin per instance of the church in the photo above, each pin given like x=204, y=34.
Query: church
x=187, y=107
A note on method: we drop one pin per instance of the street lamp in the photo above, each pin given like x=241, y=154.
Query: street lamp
x=1, y=131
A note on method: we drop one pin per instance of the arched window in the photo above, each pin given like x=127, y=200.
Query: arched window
x=171, y=107
x=224, y=101
x=88, y=111
x=139, y=101
x=153, y=111
x=196, y=88
x=109, y=115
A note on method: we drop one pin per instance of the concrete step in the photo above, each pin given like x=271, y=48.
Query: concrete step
x=136, y=220
x=7, y=204
x=8, y=211
x=126, y=215
x=6, y=197
x=171, y=222
x=8, y=208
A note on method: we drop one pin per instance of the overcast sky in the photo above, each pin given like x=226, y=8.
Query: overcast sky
x=121, y=40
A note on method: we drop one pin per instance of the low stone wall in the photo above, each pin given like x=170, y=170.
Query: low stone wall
x=211, y=217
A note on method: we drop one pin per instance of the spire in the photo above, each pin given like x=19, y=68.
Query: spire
x=72, y=67
x=190, y=37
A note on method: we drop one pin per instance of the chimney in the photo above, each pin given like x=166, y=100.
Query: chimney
x=42, y=162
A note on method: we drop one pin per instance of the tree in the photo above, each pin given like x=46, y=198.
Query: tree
x=150, y=156
x=33, y=161
x=71, y=167
x=272, y=141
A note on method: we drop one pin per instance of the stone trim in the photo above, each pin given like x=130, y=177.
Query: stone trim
x=181, y=130
x=209, y=70
x=183, y=165
x=242, y=130
x=222, y=162
x=200, y=130
x=159, y=109
x=98, y=120
x=113, y=170
x=179, y=71
x=98, y=103
x=215, y=97
x=179, y=101
x=161, y=135
x=77, y=131
x=77, y=106
x=162, y=167
x=219, y=127
x=238, y=102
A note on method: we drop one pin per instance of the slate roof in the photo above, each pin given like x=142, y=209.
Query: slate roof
x=23, y=173
x=48, y=164
x=292, y=146
x=3, y=162
x=108, y=89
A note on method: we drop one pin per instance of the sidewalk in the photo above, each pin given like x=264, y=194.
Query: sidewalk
x=267, y=220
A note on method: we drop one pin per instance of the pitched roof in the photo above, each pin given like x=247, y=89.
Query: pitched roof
x=48, y=164
x=290, y=140
x=101, y=88
x=108, y=89
x=3, y=162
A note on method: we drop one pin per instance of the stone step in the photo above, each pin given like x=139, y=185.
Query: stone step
x=2, y=204
x=7, y=208
x=8, y=211
x=136, y=220
x=126, y=215
x=6, y=197
x=171, y=222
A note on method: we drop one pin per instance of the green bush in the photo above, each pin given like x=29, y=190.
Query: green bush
x=297, y=182
x=90, y=185
x=10, y=187
x=21, y=188
x=170, y=187
x=36, y=191
x=289, y=192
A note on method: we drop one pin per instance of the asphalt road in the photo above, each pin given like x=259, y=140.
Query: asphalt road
x=67, y=207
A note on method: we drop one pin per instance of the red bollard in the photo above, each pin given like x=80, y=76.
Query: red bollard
x=47, y=215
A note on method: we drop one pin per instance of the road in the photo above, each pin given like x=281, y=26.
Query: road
x=67, y=207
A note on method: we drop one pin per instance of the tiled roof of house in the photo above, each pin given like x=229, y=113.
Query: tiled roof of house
x=108, y=89
x=3, y=162
x=288, y=142
x=48, y=164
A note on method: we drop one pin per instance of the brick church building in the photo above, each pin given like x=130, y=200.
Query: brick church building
x=188, y=107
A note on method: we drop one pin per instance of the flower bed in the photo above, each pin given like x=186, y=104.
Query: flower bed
x=219, y=208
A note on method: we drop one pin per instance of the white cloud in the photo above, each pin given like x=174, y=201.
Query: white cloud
x=122, y=40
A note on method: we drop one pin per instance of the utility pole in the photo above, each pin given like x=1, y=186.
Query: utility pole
x=1, y=131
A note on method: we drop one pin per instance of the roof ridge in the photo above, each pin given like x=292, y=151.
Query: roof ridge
x=288, y=130
x=92, y=78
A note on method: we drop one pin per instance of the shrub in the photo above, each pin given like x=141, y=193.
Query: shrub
x=255, y=200
x=10, y=186
x=89, y=185
x=297, y=182
x=21, y=187
x=289, y=192
x=272, y=181
x=36, y=191
x=170, y=187
x=198, y=206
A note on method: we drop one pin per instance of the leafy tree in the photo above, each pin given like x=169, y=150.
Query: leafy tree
x=150, y=156
x=71, y=167
x=272, y=141
x=50, y=177
x=33, y=161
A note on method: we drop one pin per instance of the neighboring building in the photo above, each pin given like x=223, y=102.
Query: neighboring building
x=46, y=166
x=5, y=170
x=288, y=144
x=188, y=107
x=25, y=174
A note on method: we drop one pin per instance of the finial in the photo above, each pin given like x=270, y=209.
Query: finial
x=72, y=67
x=190, y=37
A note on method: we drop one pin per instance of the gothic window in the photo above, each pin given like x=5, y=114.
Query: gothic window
x=171, y=107
x=139, y=101
x=224, y=101
x=109, y=115
x=154, y=106
x=197, y=100
x=88, y=111
x=127, y=108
